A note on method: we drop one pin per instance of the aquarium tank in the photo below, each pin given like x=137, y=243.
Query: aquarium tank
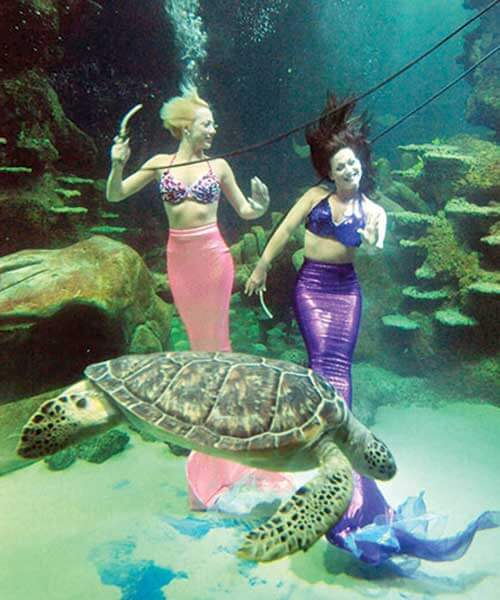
x=249, y=299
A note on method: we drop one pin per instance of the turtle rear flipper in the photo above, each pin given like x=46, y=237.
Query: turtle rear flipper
x=307, y=515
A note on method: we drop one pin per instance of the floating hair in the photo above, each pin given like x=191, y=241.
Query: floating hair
x=179, y=112
x=338, y=128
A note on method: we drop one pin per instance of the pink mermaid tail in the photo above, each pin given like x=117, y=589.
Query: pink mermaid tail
x=201, y=273
x=210, y=478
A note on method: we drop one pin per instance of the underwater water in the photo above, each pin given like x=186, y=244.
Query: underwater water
x=84, y=280
x=123, y=529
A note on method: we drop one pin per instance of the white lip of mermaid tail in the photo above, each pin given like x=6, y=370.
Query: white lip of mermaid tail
x=259, y=412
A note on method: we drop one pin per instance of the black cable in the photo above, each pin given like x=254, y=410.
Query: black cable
x=356, y=99
x=436, y=95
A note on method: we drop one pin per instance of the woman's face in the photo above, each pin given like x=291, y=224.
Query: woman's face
x=202, y=130
x=345, y=170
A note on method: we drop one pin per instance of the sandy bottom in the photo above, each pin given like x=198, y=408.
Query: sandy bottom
x=121, y=530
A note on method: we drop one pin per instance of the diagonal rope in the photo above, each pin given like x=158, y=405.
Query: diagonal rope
x=368, y=92
x=436, y=95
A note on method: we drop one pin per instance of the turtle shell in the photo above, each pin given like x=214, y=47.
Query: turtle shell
x=230, y=401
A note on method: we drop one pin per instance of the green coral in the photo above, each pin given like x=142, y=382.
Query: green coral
x=74, y=180
x=460, y=206
x=430, y=295
x=425, y=273
x=447, y=258
x=69, y=209
x=451, y=317
x=260, y=235
x=485, y=288
x=298, y=258
x=16, y=170
x=250, y=251
x=107, y=229
x=108, y=215
x=400, y=322
x=67, y=193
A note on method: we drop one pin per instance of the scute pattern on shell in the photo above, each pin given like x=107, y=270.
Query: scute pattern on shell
x=227, y=400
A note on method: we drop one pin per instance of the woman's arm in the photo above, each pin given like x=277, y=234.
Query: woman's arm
x=247, y=208
x=117, y=188
x=257, y=280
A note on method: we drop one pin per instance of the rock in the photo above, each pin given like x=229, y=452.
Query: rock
x=102, y=447
x=63, y=309
x=62, y=459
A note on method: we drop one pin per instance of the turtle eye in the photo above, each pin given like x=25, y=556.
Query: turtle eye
x=81, y=403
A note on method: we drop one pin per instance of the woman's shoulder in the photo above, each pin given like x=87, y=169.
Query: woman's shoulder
x=310, y=197
x=316, y=193
x=160, y=161
x=219, y=165
x=371, y=206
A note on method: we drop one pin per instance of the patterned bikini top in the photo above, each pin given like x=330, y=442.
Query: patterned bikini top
x=320, y=222
x=205, y=190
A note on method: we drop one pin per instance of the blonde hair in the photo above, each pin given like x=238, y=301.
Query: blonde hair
x=180, y=111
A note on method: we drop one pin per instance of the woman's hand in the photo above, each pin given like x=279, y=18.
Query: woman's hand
x=120, y=151
x=260, y=195
x=375, y=228
x=370, y=232
x=257, y=281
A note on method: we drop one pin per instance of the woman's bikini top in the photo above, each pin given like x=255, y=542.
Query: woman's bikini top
x=320, y=222
x=205, y=190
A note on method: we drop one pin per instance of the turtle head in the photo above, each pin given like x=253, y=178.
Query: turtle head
x=80, y=412
x=377, y=460
x=366, y=452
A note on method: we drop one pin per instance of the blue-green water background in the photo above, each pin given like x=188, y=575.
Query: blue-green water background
x=125, y=529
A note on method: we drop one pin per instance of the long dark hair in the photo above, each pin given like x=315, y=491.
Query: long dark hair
x=337, y=128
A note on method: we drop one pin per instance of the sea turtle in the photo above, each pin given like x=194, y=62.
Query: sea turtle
x=256, y=411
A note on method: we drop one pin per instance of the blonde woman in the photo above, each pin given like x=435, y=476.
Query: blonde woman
x=199, y=264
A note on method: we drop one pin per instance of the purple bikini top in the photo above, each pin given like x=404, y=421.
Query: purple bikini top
x=320, y=222
x=205, y=190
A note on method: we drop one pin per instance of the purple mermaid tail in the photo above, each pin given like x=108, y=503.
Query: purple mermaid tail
x=328, y=310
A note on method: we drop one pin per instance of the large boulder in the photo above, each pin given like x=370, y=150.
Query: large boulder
x=63, y=309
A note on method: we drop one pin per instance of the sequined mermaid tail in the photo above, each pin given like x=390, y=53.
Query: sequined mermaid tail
x=328, y=309
x=201, y=272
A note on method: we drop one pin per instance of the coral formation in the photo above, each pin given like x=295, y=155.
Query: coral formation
x=464, y=166
x=454, y=318
x=400, y=322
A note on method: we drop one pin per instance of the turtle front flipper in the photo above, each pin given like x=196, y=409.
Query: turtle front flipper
x=80, y=412
x=307, y=515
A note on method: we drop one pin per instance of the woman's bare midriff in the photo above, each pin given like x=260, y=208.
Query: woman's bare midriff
x=326, y=250
x=189, y=214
